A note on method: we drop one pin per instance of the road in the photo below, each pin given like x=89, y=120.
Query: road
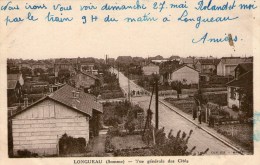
x=171, y=120
x=123, y=82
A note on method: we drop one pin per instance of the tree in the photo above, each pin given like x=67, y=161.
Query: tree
x=172, y=145
x=199, y=99
x=38, y=71
x=64, y=75
x=246, y=100
x=177, y=85
x=50, y=71
x=26, y=71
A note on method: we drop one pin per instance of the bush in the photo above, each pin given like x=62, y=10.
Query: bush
x=108, y=145
x=26, y=154
x=130, y=126
x=133, y=152
x=112, y=121
x=235, y=108
x=70, y=145
x=113, y=131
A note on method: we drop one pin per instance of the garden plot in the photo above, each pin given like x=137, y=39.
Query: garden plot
x=128, y=142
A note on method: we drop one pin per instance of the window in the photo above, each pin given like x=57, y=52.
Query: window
x=233, y=93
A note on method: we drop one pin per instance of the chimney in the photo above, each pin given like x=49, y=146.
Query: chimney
x=77, y=94
x=73, y=94
x=74, y=99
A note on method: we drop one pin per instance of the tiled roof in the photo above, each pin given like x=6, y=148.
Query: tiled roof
x=150, y=64
x=11, y=84
x=244, y=80
x=90, y=75
x=209, y=61
x=183, y=67
x=188, y=60
x=235, y=60
x=86, y=103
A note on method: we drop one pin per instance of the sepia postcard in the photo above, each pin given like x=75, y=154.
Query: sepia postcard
x=129, y=82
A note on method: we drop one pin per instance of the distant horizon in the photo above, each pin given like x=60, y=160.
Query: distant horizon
x=145, y=57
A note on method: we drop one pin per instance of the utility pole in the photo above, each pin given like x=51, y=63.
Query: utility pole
x=118, y=71
x=156, y=104
x=129, y=91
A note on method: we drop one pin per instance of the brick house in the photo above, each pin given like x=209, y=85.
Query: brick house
x=39, y=126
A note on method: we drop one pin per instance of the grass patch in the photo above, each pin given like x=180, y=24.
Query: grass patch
x=242, y=134
x=127, y=142
x=186, y=105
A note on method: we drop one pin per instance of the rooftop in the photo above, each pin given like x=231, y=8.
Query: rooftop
x=246, y=66
x=244, y=80
x=85, y=103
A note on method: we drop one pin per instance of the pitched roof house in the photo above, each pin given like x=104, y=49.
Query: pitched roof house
x=207, y=66
x=13, y=79
x=150, y=69
x=85, y=80
x=243, y=68
x=185, y=74
x=14, y=88
x=227, y=65
x=241, y=81
x=188, y=61
x=39, y=126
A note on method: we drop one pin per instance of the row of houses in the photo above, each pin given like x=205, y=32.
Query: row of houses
x=83, y=64
x=221, y=67
x=241, y=69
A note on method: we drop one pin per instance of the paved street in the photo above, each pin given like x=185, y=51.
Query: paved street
x=123, y=81
x=171, y=120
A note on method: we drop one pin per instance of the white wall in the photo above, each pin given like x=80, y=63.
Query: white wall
x=230, y=70
x=232, y=101
x=149, y=70
x=39, y=128
x=220, y=69
x=191, y=75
